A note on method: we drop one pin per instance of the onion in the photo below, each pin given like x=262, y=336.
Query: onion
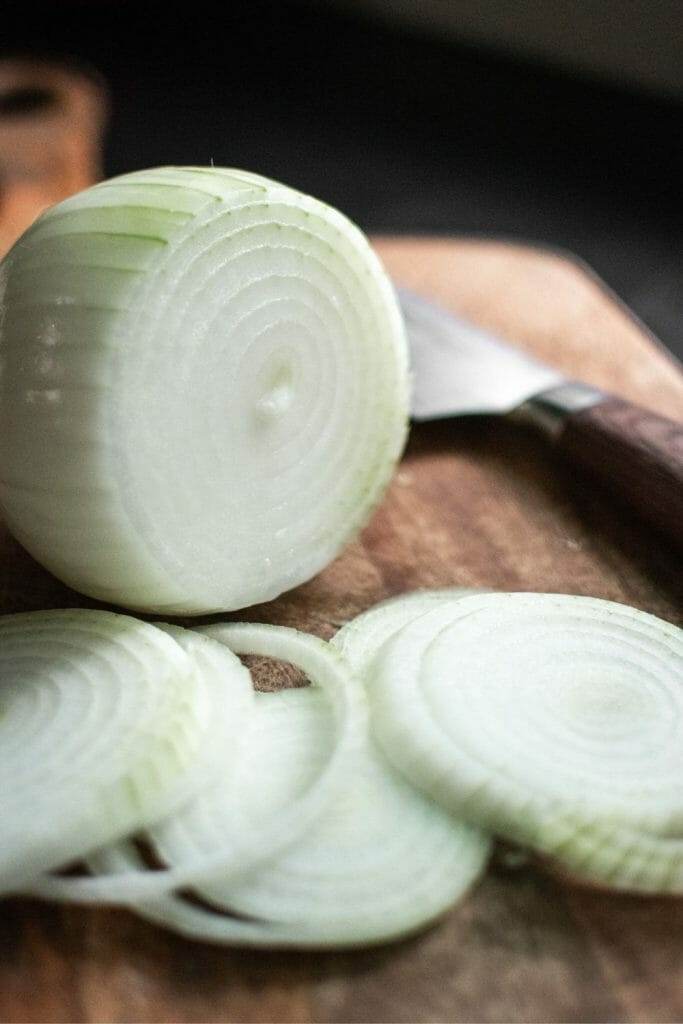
x=229, y=701
x=361, y=638
x=611, y=857
x=214, y=835
x=552, y=720
x=102, y=719
x=382, y=861
x=204, y=388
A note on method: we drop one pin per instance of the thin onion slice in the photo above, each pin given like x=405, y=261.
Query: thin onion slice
x=553, y=720
x=382, y=862
x=189, y=919
x=204, y=388
x=197, y=841
x=101, y=720
x=361, y=639
x=229, y=707
x=612, y=857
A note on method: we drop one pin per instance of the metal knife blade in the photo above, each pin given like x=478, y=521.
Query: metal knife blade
x=460, y=369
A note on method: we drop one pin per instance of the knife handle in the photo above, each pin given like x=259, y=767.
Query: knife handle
x=636, y=453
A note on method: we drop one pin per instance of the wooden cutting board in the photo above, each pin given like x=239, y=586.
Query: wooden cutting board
x=474, y=503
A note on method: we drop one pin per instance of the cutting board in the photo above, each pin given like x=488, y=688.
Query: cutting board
x=475, y=503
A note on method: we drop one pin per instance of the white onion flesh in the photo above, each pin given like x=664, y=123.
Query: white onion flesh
x=553, y=720
x=611, y=857
x=361, y=639
x=214, y=835
x=229, y=703
x=382, y=862
x=102, y=718
x=204, y=388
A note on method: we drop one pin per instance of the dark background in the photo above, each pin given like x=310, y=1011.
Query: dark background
x=405, y=131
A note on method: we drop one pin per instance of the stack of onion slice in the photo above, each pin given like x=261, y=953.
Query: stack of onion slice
x=554, y=721
x=211, y=835
x=106, y=725
x=380, y=862
x=294, y=820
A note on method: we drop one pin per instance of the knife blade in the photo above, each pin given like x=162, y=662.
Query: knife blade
x=459, y=369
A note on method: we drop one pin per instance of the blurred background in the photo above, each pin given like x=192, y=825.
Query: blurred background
x=558, y=122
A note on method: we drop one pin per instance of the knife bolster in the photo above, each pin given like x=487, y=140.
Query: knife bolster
x=549, y=410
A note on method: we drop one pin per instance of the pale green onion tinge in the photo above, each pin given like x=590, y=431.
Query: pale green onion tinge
x=213, y=836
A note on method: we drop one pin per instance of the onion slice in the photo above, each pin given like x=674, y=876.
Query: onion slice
x=229, y=707
x=361, y=638
x=204, y=388
x=553, y=720
x=382, y=861
x=213, y=835
x=101, y=720
x=611, y=857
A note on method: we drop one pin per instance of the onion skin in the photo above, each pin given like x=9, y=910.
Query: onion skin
x=204, y=389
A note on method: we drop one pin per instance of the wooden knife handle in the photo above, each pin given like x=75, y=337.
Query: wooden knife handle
x=52, y=119
x=634, y=452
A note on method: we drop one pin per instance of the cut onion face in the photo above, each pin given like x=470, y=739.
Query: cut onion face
x=552, y=720
x=102, y=718
x=204, y=388
x=215, y=834
x=382, y=861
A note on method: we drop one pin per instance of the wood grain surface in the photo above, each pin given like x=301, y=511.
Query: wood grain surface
x=474, y=503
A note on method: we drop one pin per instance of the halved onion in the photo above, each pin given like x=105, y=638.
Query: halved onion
x=101, y=720
x=556, y=721
x=204, y=388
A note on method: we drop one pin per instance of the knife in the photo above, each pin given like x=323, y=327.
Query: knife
x=460, y=369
